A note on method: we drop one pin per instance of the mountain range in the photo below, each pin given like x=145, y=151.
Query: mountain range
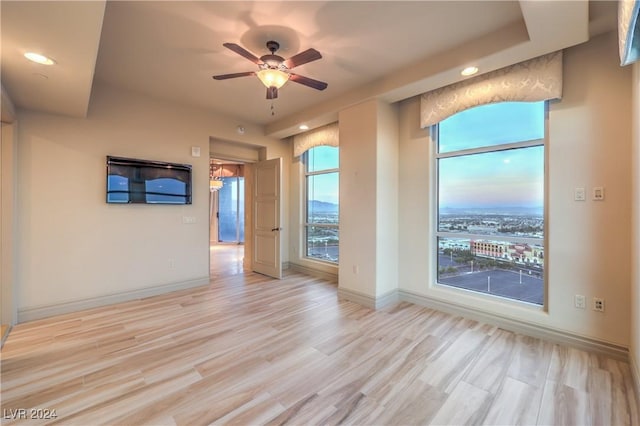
x=317, y=206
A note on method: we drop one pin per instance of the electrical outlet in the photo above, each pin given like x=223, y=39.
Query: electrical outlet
x=580, y=301
x=598, y=304
x=598, y=193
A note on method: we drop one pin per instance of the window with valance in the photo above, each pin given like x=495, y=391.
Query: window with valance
x=489, y=144
x=318, y=150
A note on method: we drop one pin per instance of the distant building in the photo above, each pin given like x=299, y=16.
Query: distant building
x=523, y=253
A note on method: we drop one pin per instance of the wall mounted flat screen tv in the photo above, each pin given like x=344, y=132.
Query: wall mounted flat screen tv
x=147, y=182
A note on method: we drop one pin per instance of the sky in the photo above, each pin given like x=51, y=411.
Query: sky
x=323, y=187
x=510, y=178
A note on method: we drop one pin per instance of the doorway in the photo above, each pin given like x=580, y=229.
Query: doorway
x=227, y=217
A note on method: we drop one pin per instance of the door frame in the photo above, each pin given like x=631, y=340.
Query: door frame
x=247, y=155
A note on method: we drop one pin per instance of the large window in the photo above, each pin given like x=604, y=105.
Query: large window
x=490, y=189
x=321, y=195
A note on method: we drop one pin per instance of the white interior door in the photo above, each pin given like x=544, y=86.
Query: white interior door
x=267, y=220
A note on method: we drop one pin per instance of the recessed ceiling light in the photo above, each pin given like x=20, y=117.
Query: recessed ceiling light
x=469, y=71
x=303, y=127
x=38, y=58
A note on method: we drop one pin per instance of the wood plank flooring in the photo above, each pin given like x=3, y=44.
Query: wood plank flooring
x=251, y=350
x=226, y=259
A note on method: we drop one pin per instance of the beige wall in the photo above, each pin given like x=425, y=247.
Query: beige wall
x=72, y=245
x=8, y=155
x=589, y=145
x=635, y=226
x=369, y=199
x=387, y=199
x=358, y=160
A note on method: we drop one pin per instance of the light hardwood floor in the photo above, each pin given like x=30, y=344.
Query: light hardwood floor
x=226, y=259
x=251, y=350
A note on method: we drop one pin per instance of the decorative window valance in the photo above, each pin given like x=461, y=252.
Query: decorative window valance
x=629, y=31
x=534, y=80
x=325, y=135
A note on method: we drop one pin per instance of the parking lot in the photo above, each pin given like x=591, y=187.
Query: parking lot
x=500, y=282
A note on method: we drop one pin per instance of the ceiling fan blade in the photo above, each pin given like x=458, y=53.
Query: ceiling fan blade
x=272, y=92
x=243, y=52
x=315, y=84
x=302, y=58
x=234, y=75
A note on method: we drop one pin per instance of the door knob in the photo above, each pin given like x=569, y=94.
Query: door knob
x=276, y=229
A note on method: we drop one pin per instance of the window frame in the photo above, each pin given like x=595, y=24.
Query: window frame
x=305, y=208
x=437, y=234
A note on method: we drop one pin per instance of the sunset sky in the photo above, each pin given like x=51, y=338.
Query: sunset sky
x=510, y=178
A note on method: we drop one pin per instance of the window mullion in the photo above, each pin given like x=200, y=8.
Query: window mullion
x=321, y=172
x=491, y=148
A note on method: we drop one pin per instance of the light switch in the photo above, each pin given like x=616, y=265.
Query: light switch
x=579, y=194
x=188, y=220
x=195, y=151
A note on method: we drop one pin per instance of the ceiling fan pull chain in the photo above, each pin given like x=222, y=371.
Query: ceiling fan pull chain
x=272, y=109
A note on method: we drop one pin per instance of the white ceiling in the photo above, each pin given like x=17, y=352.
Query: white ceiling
x=170, y=50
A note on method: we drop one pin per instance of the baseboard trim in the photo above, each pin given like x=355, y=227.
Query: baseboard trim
x=5, y=334
x=533, y=330
x=635, y=376
x=357, y=297
x=312, y=272
x=387, y=299
x=366, y=300
x=45, y=311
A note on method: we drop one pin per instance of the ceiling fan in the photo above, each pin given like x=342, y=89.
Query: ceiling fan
x=274, y=71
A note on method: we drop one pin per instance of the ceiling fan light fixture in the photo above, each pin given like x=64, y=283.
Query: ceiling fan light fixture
x=273, y=78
